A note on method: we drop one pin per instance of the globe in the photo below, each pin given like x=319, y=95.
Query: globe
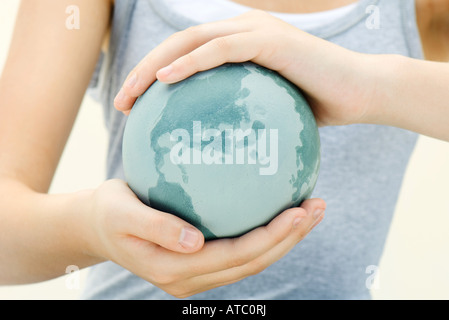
x=226, y=149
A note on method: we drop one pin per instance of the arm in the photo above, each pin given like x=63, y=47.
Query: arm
x=414, y=93
x=41, y=88
x=411, y=94
x=342, y=86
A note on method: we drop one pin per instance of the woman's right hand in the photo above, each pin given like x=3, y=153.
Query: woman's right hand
x=172, y=254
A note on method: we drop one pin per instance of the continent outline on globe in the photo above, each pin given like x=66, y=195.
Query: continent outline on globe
x=222, y=198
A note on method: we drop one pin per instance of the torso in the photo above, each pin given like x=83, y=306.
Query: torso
x=434, y=36
x=434, y=30
x=361, y=170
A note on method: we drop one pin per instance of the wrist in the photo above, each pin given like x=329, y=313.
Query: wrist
x=81, y=221
x=43, y=234
x=68, y=229
x=381, y=81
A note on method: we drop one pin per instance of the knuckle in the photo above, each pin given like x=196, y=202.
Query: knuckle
x=237, y=259
x=222, y=44
x=255, y=267
x=179, y=292
x=129, y=92
x=193, y=31
x=175, y=36
x=302, y=233
x=161, y=277
x=189, y=60
x=234, y=262
x=160, y=274
x=153, y=225
x=272, y=237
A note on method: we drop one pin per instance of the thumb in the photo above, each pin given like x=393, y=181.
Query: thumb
x=165, y=229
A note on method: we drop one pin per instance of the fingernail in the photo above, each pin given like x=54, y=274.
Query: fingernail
x=317, y=213
x=189, y=237
x=120, y=96
x=318, y=220
x=165, y=71
x=131, y=81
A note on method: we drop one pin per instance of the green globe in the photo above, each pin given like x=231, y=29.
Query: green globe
x=226, y=149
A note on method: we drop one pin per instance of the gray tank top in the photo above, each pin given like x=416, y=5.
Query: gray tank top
x=361, y=170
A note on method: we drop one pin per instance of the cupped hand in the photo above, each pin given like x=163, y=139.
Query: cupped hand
x=172, y=254
x=334, y=79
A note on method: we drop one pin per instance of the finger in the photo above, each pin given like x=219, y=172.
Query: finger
x=230, y=253
x=317, y=207
x=163, y=229
x=229, y=276
x=175, y=46
x=238, y=47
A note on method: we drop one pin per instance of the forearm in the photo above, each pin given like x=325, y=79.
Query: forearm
x=41, y=234
x=411, y=94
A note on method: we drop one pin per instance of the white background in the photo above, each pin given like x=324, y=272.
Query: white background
x=415, y=264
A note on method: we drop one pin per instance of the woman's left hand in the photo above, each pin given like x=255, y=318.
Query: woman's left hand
x=332, y=77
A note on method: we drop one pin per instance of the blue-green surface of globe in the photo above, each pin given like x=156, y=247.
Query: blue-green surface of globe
x=226, y=149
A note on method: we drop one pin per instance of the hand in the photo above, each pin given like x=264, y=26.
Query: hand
x=333, y=78
x=171, y=254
